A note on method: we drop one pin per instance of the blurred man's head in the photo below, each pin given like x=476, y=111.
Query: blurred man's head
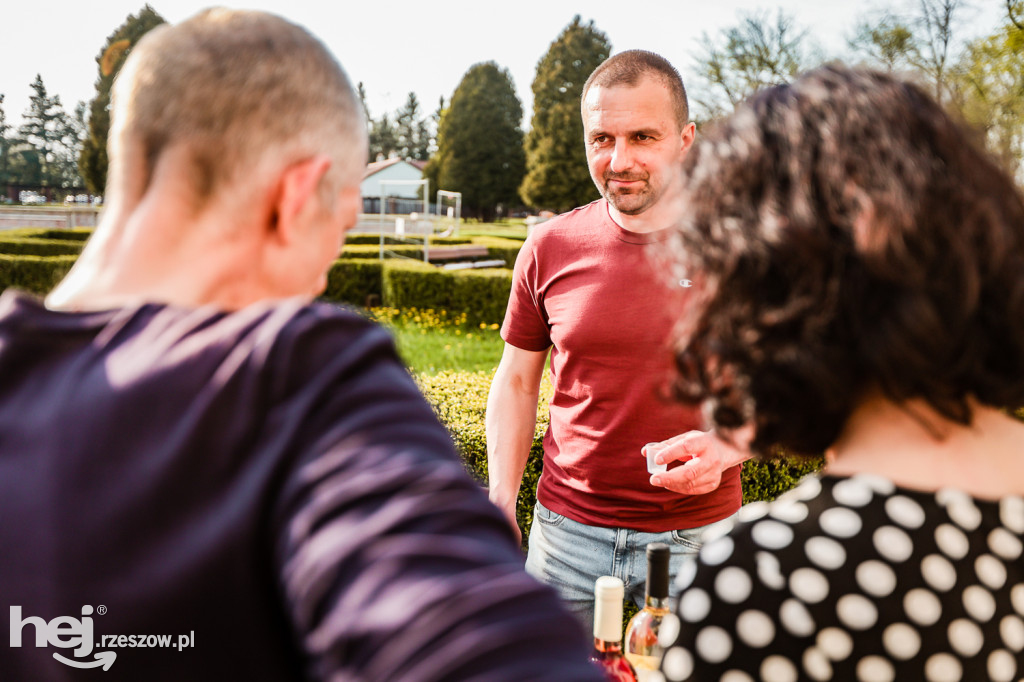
x=229, y=89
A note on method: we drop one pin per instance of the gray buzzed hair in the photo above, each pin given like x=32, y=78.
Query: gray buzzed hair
x=629, y=67
x=231, y=87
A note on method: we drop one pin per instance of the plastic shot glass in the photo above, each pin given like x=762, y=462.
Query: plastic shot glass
x=652, y=449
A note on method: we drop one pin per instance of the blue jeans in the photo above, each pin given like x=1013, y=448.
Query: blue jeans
x=571, y=556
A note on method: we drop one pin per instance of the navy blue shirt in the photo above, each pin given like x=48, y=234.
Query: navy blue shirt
x=260, y=495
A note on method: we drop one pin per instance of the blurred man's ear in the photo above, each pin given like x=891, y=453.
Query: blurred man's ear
x=296, y=195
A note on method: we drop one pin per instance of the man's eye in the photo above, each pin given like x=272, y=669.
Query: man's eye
x=643, y=138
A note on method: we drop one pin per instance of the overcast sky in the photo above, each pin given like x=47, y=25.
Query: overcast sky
x=398, y=46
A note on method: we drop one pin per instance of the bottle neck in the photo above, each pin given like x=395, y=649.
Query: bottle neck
x=606, y=646
x=656, y=603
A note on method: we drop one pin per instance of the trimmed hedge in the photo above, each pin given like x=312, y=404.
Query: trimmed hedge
x=354, y=281
x=39, y=247
x=481, y=294
x=36, y=274
x=78, y=234
x=460, y=401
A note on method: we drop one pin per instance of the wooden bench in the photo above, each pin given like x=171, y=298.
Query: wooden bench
x=450, y=253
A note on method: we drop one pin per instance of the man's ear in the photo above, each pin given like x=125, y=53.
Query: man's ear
x=296, y=195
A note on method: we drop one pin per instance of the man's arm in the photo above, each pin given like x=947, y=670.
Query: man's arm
x=705, y=457
x=510, y=423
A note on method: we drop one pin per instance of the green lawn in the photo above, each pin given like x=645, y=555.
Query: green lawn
x=432, y=341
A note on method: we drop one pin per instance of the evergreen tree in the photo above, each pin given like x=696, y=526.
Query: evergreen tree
x=53, y=134
x=556, y=162
x=383, y=139
x=6, y=142
x=411, y=131
x=93, y=159
x=480, y=142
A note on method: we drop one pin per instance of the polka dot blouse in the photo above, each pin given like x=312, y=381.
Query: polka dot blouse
x=855, y=579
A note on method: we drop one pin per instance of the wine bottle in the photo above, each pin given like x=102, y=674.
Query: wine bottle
x=642, y=649
x=608, y=595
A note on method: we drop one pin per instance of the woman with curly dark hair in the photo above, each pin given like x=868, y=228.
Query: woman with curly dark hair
x=860, y=284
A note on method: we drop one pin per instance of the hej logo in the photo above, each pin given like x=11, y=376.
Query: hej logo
x=64, y=632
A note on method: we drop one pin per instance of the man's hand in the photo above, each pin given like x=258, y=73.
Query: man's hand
x=509, y=510
x=705, y=457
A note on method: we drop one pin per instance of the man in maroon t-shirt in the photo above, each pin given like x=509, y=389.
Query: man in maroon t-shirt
x=586, y=289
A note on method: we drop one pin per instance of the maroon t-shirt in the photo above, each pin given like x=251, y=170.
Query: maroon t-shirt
x=590, y=291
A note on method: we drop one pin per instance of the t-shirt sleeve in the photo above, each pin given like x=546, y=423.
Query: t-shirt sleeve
x=393, y=565
x=526, y=325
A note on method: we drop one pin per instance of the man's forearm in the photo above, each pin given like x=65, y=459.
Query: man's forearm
x=510, y=424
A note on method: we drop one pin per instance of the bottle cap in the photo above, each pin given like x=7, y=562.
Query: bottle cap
x=608, y=595
x=658, y=554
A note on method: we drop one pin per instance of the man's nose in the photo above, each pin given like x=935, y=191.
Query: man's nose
x=622, y=157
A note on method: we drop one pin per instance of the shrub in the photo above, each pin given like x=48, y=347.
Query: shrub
x=16, y=246
x=373, y=251
x=36, y=274
x=460, y=402
x=498, y=247
x=353, y=281
x=78, y=234
x=481, y=294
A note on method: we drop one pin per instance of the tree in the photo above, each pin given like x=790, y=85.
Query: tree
x=93, y=159
x=411, y=131
x=5, y=147
x=55, y=137
x=993, y=75
x=557, y=177
x=480, y=142
x=889, y=43
x=755, y=53
x=383, y=139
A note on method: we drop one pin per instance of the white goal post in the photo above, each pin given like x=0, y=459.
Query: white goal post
x=404, y=221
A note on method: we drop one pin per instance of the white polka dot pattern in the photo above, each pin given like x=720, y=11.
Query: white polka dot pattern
x=990, y=571
x=795, y=618
x=1005, y=544
x=938, y=572
x=687, y=572
x=1002, y=667
x=901, y=641
x=893, y=544
x=733, y=585
x=677, y=664
x=1011, y=513
x=943, y=668
x=768, y=571
x=876, y=578
x=825, y=552
x=778, y=669
x=694, y=605
x=717, y=551
x=809, y=585
x=1011, y=629
x=816, y=664
x=669, y=630
x=835, y=643
x=965, y=637
x=980, y=604
x=875, y=669
x=840, y=522
x=856, y=578
x=714, y=644
x=853, y=492
x=922, y=606
x=856, y=611
x=904, y=511
x=771, y=534
x=755, y=629
x=952, y=541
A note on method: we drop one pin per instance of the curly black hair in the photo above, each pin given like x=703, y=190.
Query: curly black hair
x=846, y=236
